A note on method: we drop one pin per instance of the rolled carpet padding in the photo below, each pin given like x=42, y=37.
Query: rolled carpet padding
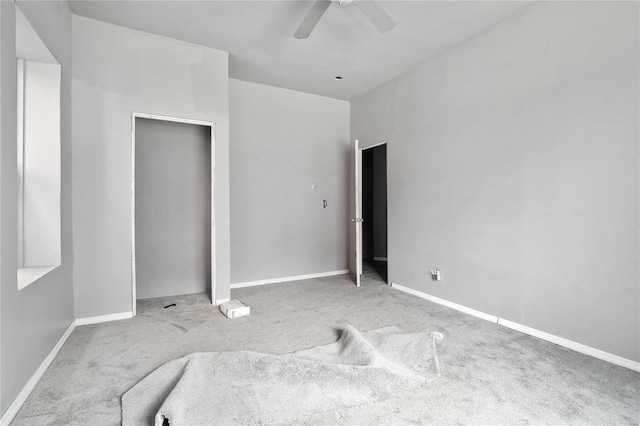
x=254, y=388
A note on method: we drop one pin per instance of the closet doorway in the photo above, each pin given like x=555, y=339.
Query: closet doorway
x=173, y=249
x=374, y=212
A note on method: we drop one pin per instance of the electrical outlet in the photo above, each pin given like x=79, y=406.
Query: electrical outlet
x=435, y=274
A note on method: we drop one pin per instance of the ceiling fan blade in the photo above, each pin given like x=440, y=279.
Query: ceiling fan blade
x=311, y=20
x=374, y=13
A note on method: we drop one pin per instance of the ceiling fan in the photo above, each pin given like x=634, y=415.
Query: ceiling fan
x=370, y=9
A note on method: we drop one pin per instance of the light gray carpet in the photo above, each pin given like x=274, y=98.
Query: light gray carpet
x=194, y=310
x=243, y=387
x=489, y=374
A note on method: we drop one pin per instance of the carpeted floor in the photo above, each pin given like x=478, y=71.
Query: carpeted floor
x=244, y=387
x=375, y=269
x=489, y=374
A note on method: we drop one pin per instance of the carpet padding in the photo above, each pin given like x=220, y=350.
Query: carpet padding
x=255, y=388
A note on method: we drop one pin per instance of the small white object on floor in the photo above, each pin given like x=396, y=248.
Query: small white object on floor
x=235, y=309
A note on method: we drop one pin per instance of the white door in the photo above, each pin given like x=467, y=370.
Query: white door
x=355, y=246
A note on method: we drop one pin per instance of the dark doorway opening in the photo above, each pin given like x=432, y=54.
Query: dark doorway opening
x=374, y=212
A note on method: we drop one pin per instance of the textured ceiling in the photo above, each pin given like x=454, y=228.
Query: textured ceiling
x=259, y=36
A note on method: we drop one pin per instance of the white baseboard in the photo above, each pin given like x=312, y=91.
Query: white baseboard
x=382, y=259
x=578, y=347
x=286, y=279
x=28, y=388
x=561, y=341
x=452, y=305
x=104, y=318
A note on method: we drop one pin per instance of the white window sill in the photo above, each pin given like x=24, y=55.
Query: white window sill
x=27, y=276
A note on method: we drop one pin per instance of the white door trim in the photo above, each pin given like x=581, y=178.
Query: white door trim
x=374, y=145
x=133, y=198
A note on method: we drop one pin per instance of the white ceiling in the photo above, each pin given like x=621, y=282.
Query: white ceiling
x=259, y=36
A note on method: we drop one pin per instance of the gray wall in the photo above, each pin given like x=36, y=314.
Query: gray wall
x=173, y=208
x=118, y=71
x=283, y=143
x=513, y=167
x=35, y=318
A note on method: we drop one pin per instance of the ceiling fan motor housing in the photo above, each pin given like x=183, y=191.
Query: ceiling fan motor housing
x=370, y=9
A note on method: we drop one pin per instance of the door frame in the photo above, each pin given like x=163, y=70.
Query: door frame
x=133, y=197
x=375, y=145
x=355, y=268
